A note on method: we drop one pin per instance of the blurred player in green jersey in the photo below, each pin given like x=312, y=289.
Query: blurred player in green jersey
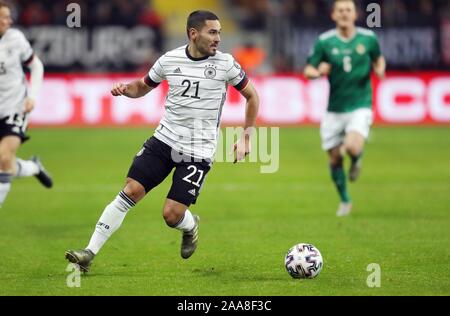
x=347, y=55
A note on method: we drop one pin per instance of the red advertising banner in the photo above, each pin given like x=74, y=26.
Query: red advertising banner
x=85, y=100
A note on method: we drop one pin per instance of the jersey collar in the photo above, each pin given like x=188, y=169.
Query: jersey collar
x=194, y=58
x=346, y=40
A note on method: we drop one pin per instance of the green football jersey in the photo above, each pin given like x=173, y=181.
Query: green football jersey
x=351, y=61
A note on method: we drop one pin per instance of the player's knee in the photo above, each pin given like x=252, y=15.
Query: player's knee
x=134, y=190
x=336, y=160
x=353, y=149
x=173, y=212
x=336, y=163
x=170, y=216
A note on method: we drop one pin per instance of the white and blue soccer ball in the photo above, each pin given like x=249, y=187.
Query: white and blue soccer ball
x=303, y=261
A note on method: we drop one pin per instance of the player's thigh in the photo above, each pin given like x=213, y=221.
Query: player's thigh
x=187, y=181
x=151, y=165
x=10, y=144
x=8, y=150
x=332, y=130
x=354, y=141
x=358, y=128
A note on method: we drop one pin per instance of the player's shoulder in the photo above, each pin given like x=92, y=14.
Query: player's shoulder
x=176, y=52
x=224, y=58
x=328, y=35
x=14, y=34
x=365, y=32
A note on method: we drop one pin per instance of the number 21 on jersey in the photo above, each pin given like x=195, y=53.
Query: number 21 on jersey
x=187, y=84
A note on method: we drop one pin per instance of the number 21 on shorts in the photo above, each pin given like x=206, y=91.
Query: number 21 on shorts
x=194, y=171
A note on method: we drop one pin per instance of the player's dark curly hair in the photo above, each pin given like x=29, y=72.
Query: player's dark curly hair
x=197, y=19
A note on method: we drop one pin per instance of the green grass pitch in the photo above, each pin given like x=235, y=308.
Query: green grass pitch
x=401, y=220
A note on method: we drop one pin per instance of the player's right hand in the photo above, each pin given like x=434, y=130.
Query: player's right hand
x=119, y=89
x=324, y=68
x=29, y=105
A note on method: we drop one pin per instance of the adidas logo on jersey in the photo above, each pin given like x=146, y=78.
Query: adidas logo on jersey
x=177, y=71
x=192, y=192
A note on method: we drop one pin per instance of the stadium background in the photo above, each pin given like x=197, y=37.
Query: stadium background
x=120, y=40
x=403, y=201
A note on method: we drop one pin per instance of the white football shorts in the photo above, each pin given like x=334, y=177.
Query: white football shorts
x=335, y=126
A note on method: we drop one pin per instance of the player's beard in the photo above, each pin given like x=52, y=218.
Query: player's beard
x=203, y=48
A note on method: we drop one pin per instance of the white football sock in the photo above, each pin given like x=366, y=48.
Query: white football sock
x=186, y=223
x=5, y=185
x=26, y=168
x=110, y=221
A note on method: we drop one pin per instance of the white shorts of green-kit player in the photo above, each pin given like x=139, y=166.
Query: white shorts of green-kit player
x=335, y=126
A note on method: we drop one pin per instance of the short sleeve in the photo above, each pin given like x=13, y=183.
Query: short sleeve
x=25, y=50
x=375, y=51
x=156, y=75
x=235, y=75
x=317, y=54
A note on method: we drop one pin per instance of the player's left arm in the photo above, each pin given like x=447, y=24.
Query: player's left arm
x=378, y=60
x=36, y=78
x=243, y=145
x=34, y=64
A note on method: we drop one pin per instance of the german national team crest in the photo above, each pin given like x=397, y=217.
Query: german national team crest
x=210, y=71
x=360, y=49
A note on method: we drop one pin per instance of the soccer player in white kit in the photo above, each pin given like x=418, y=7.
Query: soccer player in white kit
x=16, y=102
x=186, y=138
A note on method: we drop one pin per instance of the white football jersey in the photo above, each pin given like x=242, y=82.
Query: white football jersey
x=197, y=92
x=14, y=51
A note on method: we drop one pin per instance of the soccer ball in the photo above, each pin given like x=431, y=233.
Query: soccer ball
x=303, y=261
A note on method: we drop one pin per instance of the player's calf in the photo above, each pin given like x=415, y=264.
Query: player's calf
x=338, y=174
x=354, y=145
x=7, y=162
x=6, y=169
x=5, y=186
x=110, y=221
x=355, y=167
x=355, y=153
x=176, y=215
